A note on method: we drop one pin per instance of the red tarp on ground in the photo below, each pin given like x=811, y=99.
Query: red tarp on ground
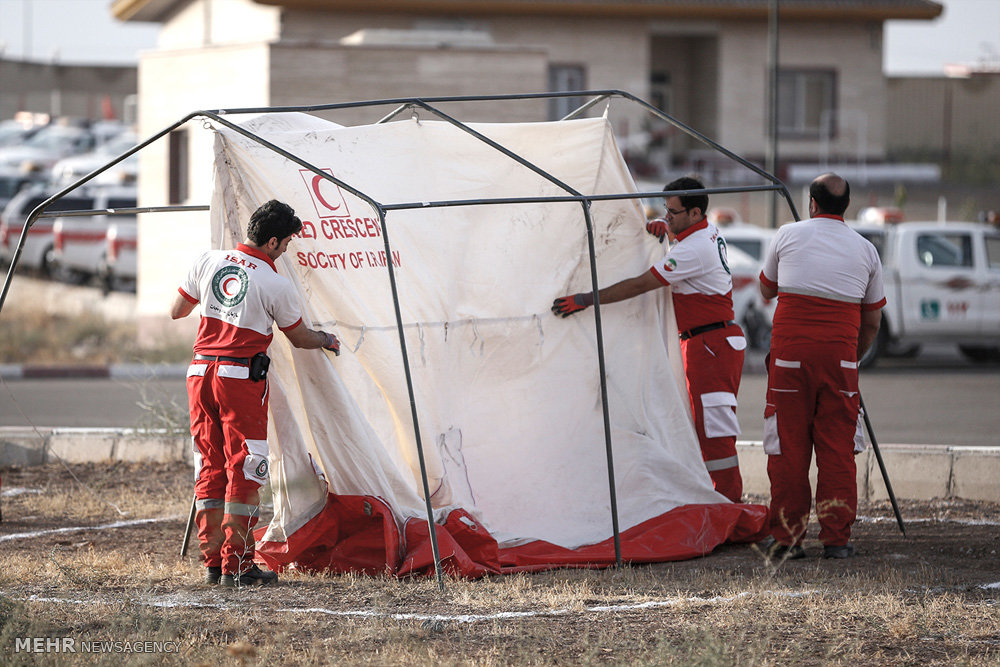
x=358, y=534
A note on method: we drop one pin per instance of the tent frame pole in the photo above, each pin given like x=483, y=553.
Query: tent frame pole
x=404, y=104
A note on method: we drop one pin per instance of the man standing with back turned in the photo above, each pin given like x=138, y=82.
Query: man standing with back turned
x=828, y=280
x=241, y=295
x=712, y=344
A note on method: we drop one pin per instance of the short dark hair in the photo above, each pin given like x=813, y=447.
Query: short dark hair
x=829, y=203
x=273, y=219
x=688, y=201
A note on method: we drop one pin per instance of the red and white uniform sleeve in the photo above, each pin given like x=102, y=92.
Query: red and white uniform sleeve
x=825, y=274
x=696, y=268
x=240, y=296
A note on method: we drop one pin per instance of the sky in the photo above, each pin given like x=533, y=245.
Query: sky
x=83, y=31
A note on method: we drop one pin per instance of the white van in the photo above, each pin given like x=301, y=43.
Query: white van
x=942, y=284
x=79, y=242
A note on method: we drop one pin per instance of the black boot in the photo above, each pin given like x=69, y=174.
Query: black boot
x=252, y=577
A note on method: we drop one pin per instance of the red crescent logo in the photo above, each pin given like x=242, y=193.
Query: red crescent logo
x=317, y=179
x=228, y=290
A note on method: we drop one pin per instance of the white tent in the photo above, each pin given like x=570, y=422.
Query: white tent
x=506, y=395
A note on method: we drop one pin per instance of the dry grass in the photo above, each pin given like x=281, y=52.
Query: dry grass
x=30, y=336
x=903, y=601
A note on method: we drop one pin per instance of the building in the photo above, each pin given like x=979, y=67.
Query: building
x=705, y=63
x=57, y=89
x=949, y=119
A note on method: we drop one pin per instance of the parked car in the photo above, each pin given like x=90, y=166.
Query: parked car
x=79, y=242
x=749, y=238
x=751, y=311
x=38, y=245
x=942, y=284
x=118, y=270
x=13, y=181
x=47, y=146
x=755, y=313
x=71, y=169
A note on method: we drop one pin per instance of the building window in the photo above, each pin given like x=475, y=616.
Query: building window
x=177, y=186
x=807, y=103
x=564, y=78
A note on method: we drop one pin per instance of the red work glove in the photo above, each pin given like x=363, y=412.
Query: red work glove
x=332, y=343
x=565, y=306
x=658, y=228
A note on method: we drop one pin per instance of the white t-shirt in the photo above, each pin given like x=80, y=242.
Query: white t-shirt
x=825, y=274
x=697, y=268
x=240, y=295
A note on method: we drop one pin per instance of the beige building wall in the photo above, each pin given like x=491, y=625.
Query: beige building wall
x=206, y=22
x=65, y=90
x=304, y=75
x=855, y=54
x=932, y=116
x=613, y=51
x=214, y=78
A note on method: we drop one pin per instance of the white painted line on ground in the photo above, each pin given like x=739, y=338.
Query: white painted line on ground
x=964, y=522
x=73, y=529
x=503, y=615
x=18, y=491
x=177, y=600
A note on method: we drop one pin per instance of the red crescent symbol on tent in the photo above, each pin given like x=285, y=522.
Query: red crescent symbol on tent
x=225, y=286
x=317, y=179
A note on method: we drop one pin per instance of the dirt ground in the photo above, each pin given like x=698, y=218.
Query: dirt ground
x=931, y=597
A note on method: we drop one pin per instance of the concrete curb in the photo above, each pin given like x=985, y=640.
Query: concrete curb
x=117, y=371
x=29, y=447
x=917, y=472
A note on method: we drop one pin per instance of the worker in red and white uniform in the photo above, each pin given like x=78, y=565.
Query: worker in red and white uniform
x=828, y=281
x=712, y=344
x=239, y=295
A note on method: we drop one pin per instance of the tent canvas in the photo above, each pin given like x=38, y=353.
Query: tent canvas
x=507, y=395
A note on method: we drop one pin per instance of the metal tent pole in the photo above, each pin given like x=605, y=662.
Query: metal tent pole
x=431, y=524
x=881, y=466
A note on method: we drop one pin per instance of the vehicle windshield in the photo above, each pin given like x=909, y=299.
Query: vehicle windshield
x=119, y=144
x=9, y=186
x=752, y=247
x=57, y=138
x=877, y=239
x=937, y=250
x=10, y=135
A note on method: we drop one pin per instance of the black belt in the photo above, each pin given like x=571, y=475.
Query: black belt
x=696, y=331
x=235, y=360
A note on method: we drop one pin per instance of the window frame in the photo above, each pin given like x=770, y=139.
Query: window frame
x=801, y=129
x=559, y=107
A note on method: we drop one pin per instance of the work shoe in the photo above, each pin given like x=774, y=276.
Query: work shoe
x=778, y=551
x=213, y=574
x=845, y=551
x=252, y=577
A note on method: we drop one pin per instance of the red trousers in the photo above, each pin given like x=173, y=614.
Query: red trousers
x=812, y=404
x=713, y=366
x=229, y=429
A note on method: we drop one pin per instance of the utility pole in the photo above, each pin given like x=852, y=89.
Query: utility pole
x=26, y=29
x=772, y=106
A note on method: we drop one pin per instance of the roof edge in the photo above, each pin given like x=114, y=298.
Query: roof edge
x=158, y=10
x=626, y=9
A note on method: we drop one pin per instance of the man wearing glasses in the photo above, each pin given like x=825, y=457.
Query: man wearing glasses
x=712, y=344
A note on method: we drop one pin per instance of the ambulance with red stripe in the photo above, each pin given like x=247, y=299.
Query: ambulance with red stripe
x=942, y=282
